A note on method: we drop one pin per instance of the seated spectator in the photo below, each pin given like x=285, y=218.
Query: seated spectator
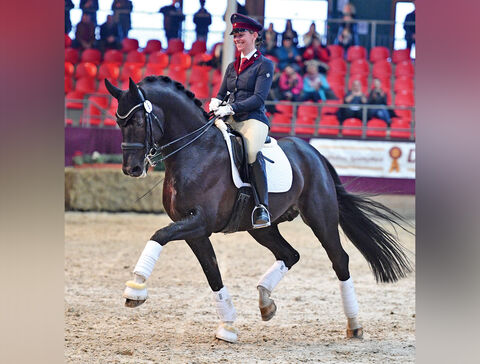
x=109, y=35
x=122, y=15
x=316, y=51
x=315, y=85
x=354, y=96
x=378, y=97
x=84, y=34
x=347, y=34
x=271, y=41
x=287, y=53
x=290, y=33
x=290, y=85
x=310, y=35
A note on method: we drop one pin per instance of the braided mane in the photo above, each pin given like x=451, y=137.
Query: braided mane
x=179, y=87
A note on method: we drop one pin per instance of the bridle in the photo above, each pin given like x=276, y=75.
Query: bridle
x=152, y=150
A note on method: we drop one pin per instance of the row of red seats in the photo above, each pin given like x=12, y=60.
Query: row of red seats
x=376, y=53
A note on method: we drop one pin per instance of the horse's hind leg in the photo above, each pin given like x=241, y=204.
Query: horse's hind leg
x=286, y=257
x=324, y=223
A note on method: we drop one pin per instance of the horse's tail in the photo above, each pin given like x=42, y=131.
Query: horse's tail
x=380, y=248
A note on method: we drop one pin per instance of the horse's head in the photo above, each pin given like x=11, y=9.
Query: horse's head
x=141, y=124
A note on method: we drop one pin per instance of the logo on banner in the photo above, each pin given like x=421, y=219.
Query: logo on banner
x=395, y=154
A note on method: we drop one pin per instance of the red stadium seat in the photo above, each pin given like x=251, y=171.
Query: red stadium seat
x=404, y=99
x=338, y=90
x=376, y=128
x=379, y=54
x=281, y=122
x=328, y=126
x=338, y=65
x=129, y=44
x=400, y=129
x=154, y=69
x=177, y=73
x=175, y=46
x=359, y=67
x=400, y=55
x=352, y=127
x=181, y=59
x=403, y=84
x=382, y=69
x=201, y=58
x=136, y=57
x=111, y=71
x=68, y=41
x=158, y=58
x=113, y=56
x=71, y=55
x=405, y=69
x=69, y=68
x=198, y=47
x=153, y=45
x=199, y=74
x=86, y=69
x=91, y=55
x=102, y=89
x=132, y=70
x=308, y=110
x=201, y=90
x=336, y=78
x=77, y=98
x=306, y=116
x=96, y=105
x=404, y=114
x=336, y=51
x=85, y=85
x=330, y=108
x=356, y=52
x=68, y=84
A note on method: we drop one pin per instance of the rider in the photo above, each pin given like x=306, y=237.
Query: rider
x=248, y=79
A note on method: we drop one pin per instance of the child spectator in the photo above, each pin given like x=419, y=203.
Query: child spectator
x=290, y=85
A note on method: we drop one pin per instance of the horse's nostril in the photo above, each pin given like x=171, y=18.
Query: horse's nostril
x=136, y=170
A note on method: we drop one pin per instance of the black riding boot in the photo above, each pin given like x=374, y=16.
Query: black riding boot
x=258, y=180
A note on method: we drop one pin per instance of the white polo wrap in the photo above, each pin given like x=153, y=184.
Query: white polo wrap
x=147, y=260
x=349, y=300
x=273, y=276
x=224, y=305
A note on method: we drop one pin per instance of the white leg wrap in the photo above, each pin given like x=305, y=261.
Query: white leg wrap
x=224, y=305
x=273, y=276
x=349, y=300
x=147, y=260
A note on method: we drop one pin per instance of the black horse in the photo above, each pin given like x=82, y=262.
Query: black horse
x=199, y=195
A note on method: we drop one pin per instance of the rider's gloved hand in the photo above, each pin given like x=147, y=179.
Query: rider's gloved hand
x=224, y=111
x=214, y=104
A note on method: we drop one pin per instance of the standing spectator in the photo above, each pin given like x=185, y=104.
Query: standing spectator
x=290, y=85
x=109, y=34
x=354, y=96
x=287, y=53
x=315, y=85
x=121, y=14
x=378, y=97
x=290, y=33
x=68, y=23
x=347, y=33
x=271, y=41
x=84, y=34
x=312, y=33
x=90, y=7
x=202, y=20
x=410, y=29
x=172, y=20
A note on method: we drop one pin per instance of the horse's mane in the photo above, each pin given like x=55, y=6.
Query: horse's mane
x=178, y=86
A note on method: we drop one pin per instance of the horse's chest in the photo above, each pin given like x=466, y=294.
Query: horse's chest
x=170, y=197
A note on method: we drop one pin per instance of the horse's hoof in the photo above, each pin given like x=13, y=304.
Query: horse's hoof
x=355, y=333
x=269, y=311
x=226, y=333
x=133, y=303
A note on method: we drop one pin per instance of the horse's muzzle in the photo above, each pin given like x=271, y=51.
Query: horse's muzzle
x=134, y=171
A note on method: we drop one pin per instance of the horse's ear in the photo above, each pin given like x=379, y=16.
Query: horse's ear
x=132, y=86
x=114, y=91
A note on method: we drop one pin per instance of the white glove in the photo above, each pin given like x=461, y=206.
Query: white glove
x=224, y=111
x=214, y=104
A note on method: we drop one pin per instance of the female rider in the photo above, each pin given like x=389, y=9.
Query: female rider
x=248, y=79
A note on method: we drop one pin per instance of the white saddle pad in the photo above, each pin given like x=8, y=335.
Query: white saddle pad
x=279, y=173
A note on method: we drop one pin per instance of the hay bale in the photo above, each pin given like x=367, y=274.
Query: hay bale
x=97, y=189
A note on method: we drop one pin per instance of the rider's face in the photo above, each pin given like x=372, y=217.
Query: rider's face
x=245, y=41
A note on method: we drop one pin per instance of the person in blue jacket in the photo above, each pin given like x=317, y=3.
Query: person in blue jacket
x=248, y=79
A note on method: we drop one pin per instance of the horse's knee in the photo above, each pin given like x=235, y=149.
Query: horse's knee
x=340, y=266
x=292, y=259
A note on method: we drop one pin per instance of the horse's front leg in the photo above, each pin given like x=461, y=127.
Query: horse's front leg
x=203, y=250
x=191, y=227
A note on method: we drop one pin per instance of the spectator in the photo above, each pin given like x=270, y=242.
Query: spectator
x=90, y=7
x=290, y=84
x=355, y=96
x=290, y=33
x=109, y=34
x=410, y=29
x=316, y=51
x=172, y=20
x=68, y=23
x=121, y=13
x=202, y=20
x=271, y=41
x=378, y=97
x=315, y=85
x=347, y=34
x=84, y=34
x=312, y=33
x=287, y=53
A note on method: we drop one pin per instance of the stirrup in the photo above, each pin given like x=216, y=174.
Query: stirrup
x=263, y=225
